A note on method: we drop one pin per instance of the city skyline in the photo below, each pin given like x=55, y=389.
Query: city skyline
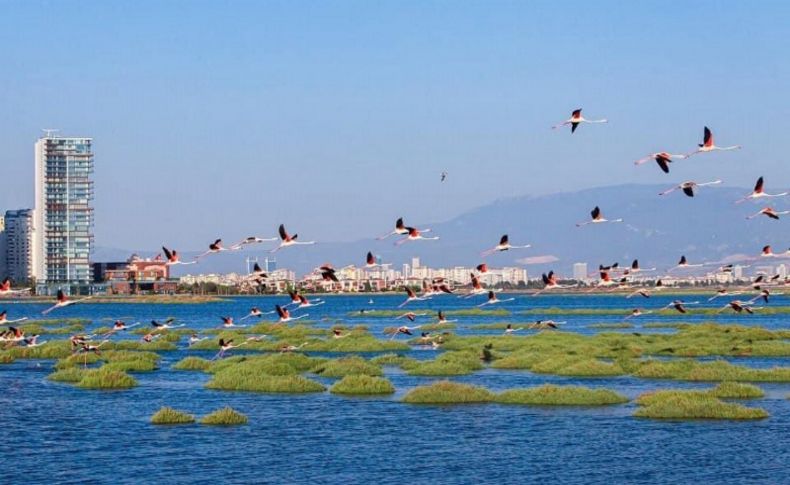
x=259, y=132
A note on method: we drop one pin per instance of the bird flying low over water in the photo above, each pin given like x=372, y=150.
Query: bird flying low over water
x=768, y=212
x=597, y=218
x=287, y=240
x=689, y=187
x=576, y=119
x=492, y=299
x=5, y=288
x=759, y=192
x=62, y=302
x=707, y=145
x=663, y=159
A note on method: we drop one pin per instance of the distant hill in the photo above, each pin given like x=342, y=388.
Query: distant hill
x=657, y=230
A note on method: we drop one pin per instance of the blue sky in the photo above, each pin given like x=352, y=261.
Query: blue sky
x=227, y=118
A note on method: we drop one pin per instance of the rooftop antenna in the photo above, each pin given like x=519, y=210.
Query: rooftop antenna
x=48, y=132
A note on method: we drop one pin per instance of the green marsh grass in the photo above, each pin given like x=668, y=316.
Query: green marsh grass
x=551, y=395
x=68, y=374
x=168, y=415
x=346, y=366
x=362, y=384
x=675, y=404
x=106, y=379
x=192, y=363
x=447, y=392
x=611, y=325
x=226, y=416
x=692, y=370
x=396, y=360
x=468, y=312
x=737, y=390
x=451, y=363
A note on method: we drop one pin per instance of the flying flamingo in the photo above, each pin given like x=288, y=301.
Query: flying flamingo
x=663, y=159
x=5, y=321
x=400, y=230
x=482, y=268
x=227, y=322
x=683, y=264
x=680, y=305
x=411, y=316
x=688, y=187
x=759, y=193
x=288, y=240
x=227, y=345
x=477, y=288
x=63, y=301
x=724, y=292
x=173, y=257
x=252, y=240
x=545, y=324
x=5, y=288
x=492, y=299
x=213, y=248
x=370, y=261
x=769, y=212
x=738, y=307
x=509, y=330
x=158, y=326
x=285, y=314
x=442, y=318
x=597, y=218
x=411, y=296
x=765, y=294
x=504, y=245
x=645, y=292
x=254, y=312
x=550, y=282
x=576, y=119
x=636, y=312
x=288, y=348
x=328, y=273
x=305, y=303
x=707, y=145
x=415, y=235
x=403, y=329
x=635, y=268
x=119, y=326
x=194, y=338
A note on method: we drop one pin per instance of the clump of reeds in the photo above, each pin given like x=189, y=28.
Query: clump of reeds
x=551, y=395
x=612, y=325
x=245, y=379
x=452, y=363
x=192, y=363
x=106, y=379
x=168, y=415
x=362, y=384
x=395, y=360
x=226, y=416
x=673, y=404
x=737, y=390
x=691, y=370
x=447, y=392
x=67, y=374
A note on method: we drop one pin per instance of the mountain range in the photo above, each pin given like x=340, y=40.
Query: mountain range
x=657, y=230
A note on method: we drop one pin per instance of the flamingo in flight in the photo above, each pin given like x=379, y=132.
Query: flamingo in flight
x=636, y=312
x=370, y=261
x=158, y=326
x=411, y=296
x=680, y=305
x=683, y=264
x=226, y=345
x=597, y=218
x=550, y=283
x=635, y=268
x=707, y=145
x=305, y=303
x=663, y=159
x=689, y=187
x=576, y=119
x=5, y=321
x=400, y=230
x=482, y=268
x=287, y=240
x=5, y=288
x=410, y=316
x=195, y=338
x=405, y=330
x=759, y=193
x=509, y=330
x=255, y=312
x=12, y=334
x=504, y=245
x=415, y=235
x=252, y=240
x=442, y=318
x=328, y=273
x=738, y=306
x=724, y=292
x=769, y=212
x=765, y=294
x=545, y=325
x=257, y=272
x=119, y=326
x=643, y=292
x=493, y=300
x=214, y=248
x=768, y=252
x=173, y=258
x=285, y=314
x=227, y=322
x=63, y=301
x=477, y=288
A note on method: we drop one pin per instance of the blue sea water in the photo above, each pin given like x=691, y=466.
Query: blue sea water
x=55, y=433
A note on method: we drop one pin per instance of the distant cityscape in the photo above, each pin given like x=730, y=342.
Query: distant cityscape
x=49, y=247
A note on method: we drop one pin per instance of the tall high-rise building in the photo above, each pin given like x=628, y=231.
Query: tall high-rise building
x=63, y=215
x=19, y=258
x=3, y=240
x=580, y=271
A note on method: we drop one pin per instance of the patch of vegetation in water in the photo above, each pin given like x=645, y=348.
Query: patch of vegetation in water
x=395, y=360
x=192, y=363
x=675, y=404
x=106, y=379
x=69, y=374
x=345, y=366
x=692, y=370
x=551, y=395
x=168, y=415
x=448, y=392
x=226, y=416
x=452, y=363
x=362, y=384
x=614, y=325
x=466, y=312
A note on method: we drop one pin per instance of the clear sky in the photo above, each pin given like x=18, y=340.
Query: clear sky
x=227, y=118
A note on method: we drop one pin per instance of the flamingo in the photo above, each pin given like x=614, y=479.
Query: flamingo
x=305, y=303
x=403, y=329
x=370, y=261
x=477, y=288
x=724, y=292
x=158, y=326
x=32, y=341
x=287, y=240
x=504, y=245
x=213, y=248
x=254, y=312
x=328, y=273
x=635, y=268
x=287, y=348
x=663, y=159
x=509, y=330
x=597, y=218
x=173, y=257
x=768, y=252
x=400, y=230
x=683, y=263
x=225, y=346
x=545, y=324
x=606, y=280
x=411, y=296
x=252, y=240
x=13, y=334
x=5, y=321
x=707, y=145
x=576, y=119
x=285, y=314
x=765, y=294
x=769, y=212
x=492, y=299
x=338, y=333
x=63, y=302
x=119, y=326
x=415, y=235
x=227, y=322
x=738, y=307
x=689, y=186
x=442, y=318
x=194, y=338
x=482, y=268
x=5, y=288
x=680, y=305
x=550, y=283
x=636, y=312
x=411, y=316
x=759, y=193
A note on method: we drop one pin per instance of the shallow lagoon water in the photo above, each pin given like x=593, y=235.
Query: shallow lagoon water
x=57, y=433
